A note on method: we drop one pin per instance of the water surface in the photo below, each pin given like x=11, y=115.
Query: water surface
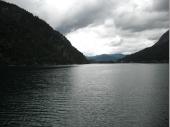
x=96, y=95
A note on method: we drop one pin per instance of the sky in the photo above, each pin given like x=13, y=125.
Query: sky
x=97, y=27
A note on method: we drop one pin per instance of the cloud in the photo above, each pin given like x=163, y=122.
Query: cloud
x=161, y=5
x=136, y=16
x=104, y=26
x=67, y=15
x=85, y=15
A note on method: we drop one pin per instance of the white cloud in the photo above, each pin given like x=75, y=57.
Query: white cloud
x=90, y=42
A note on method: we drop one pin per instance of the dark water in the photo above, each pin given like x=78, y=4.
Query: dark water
x=107, y=95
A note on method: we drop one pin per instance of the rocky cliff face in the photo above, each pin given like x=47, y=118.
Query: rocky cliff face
x=26, y=39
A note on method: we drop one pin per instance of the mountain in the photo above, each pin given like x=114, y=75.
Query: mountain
x=159, y=52
x=27, y=40
x=105, y=58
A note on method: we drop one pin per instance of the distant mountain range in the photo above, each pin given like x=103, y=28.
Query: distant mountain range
x=159, y=52
x=105, y=58
x=27, y=40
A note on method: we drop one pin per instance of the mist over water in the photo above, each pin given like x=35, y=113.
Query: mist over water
x=96, y=95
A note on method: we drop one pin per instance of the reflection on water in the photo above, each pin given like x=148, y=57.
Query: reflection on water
x=106, y=95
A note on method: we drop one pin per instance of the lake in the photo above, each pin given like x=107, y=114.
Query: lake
x=94, y=95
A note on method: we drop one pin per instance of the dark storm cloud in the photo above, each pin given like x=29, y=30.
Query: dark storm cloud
x=161, y=5
x=83, y=19
x=87, y=15
x=142, y=23
x=136, y=19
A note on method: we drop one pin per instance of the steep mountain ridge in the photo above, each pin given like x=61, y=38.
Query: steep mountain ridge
x=159, y=52
x=27, y=40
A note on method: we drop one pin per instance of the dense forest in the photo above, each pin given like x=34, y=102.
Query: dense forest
x=27, y=40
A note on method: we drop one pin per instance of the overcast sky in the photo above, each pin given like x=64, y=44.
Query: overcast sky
x=104, y=26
